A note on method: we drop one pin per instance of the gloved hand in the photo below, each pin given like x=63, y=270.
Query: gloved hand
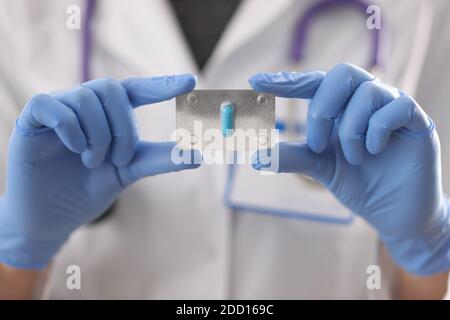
x=377, y=151
x=70, y=156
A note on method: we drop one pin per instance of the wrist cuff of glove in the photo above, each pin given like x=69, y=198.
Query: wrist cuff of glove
x=19, y=252
x=427, y=254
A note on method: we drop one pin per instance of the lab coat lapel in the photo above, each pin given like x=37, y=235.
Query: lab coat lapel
x=251, y=18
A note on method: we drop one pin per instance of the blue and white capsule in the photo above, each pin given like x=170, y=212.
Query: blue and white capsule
x=227, y=118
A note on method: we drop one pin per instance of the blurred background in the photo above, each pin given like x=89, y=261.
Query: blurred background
x=205, y=250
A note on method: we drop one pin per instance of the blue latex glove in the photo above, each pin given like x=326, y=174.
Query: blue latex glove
x=377, y=151
x=52, y=190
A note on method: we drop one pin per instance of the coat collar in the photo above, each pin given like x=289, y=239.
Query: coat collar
x=251, y=18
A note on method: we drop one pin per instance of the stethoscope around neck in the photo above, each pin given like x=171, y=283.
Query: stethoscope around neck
x=298, y=45
x=296, y=55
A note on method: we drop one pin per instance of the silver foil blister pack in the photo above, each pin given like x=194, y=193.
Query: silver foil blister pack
x=248, y=116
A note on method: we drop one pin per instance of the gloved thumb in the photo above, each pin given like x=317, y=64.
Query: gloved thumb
x=153, y=158
x=295, y=157
x=142, y=91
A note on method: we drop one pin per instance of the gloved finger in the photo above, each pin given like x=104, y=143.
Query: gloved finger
x=288, y=84
x=402, y=112
x=120, y=116
x=353, y=124
x=94, y=124
x=142, y=91
x=329, y=101
x=157, y=158
x=45, y=111
x=296, y=157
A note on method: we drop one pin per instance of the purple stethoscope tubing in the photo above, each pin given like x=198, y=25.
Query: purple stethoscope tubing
x=303, y=25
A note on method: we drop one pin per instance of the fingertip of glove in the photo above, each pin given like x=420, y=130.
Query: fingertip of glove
x=79, y=146
x=122, y=158
x=354, y=160
x=373, y=146
x=257, y=81
x=188, y=81
x=90, y=161
x=316, y=147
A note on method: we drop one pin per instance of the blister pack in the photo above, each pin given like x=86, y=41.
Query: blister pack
x=225, y=120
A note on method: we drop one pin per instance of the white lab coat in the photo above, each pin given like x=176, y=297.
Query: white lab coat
x=171, y=236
